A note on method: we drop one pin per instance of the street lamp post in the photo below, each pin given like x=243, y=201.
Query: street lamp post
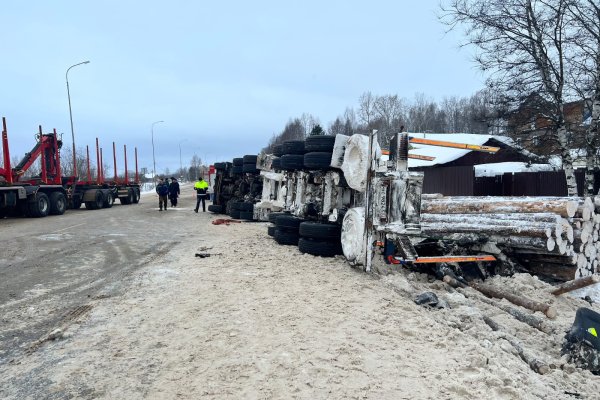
x=180, y=162
x=153, y=159
x=71, y=114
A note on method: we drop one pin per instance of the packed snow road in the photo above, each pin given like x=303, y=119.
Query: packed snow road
x=113, y=304
x=51, y=268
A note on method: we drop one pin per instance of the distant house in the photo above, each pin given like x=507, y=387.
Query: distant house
x=456, y=172
x=532, y=127
x=451, y=157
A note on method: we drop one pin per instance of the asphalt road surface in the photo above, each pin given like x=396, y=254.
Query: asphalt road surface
x=50, y=268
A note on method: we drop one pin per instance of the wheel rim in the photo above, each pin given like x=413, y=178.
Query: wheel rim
x=43, y=203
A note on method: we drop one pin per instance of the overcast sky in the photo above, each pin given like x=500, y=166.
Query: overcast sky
x=224, y=76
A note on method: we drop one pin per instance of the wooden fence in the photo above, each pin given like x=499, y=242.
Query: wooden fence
x=461, y=181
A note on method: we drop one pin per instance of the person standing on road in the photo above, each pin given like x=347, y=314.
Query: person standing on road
x=201, y=188
x=174, y=191
x=163, y=191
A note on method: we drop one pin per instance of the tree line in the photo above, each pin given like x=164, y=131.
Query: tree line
x=391, y=113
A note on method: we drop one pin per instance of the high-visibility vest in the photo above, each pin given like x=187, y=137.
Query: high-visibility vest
x=201, y=185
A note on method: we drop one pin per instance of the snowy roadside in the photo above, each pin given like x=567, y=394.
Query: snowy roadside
x=259, y=320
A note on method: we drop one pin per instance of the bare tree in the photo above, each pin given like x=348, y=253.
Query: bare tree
x=366, y=108
x=336, y=127
x=521, y=45
x=584, y=16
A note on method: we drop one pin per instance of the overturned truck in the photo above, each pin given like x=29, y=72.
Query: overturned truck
x=341, y=195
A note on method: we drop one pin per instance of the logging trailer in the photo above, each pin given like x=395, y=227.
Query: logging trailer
x=50, y=192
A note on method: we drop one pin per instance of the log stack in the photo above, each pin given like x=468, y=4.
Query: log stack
x=555, y=237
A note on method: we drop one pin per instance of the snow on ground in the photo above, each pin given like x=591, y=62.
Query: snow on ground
x=261, y=321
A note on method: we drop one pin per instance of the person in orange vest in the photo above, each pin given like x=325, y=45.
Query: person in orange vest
x=201, y=188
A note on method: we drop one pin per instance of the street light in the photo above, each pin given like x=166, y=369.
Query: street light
x=180, y=163
x=71, y=114
x=153, y=159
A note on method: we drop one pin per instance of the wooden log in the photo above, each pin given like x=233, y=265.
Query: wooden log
x=549, y=258
x=556, y=271
x=575, y=284
x=528, y=319
x=471, y=205
x=522, y=301
x=534, y=363
x=531, y=243
x=533, y=217
x=437, y=229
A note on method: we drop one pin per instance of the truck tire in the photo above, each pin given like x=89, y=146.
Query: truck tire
x=238, y=169
x=58, y=203
x=97, y=203
x=316, y=230
x=288, y=221
x=271, y=230
x=136, y=195
x=286, y=238
x=109, y=200
x=247, y=215
x=250, y=159
x=323, y=248
x=214, y=208
x=250, y=169
x=222, y=166
x=245, y=206
x=292, y=162
x=293, y=147
x=38, y=206
x=129, y=199
x=276, y=163
x=238, y=162
x=317, y=160
x=235, y=214
x=272, y=216
x=278, y=150
x=319, y=143
x=76, y=202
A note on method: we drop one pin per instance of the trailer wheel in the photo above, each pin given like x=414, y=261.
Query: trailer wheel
x=76, y=202
x=292, y=161
x=247, y=215
x=293, y=147
x=39, y=206
x=286, y=238
x=97, y=203
x=129, y=199
x=319, y=247
x=215, y=208
x=273, y=216
x=316, y=230
x=58, y=203
x=317, y=160
x=109, y=200
x=288, y=221
x=319, y=143
x=244, y=206
x=278, y=150
x=136, y=195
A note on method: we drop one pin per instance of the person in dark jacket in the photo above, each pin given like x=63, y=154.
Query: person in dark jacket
x=173, y=191
x=163, y=192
